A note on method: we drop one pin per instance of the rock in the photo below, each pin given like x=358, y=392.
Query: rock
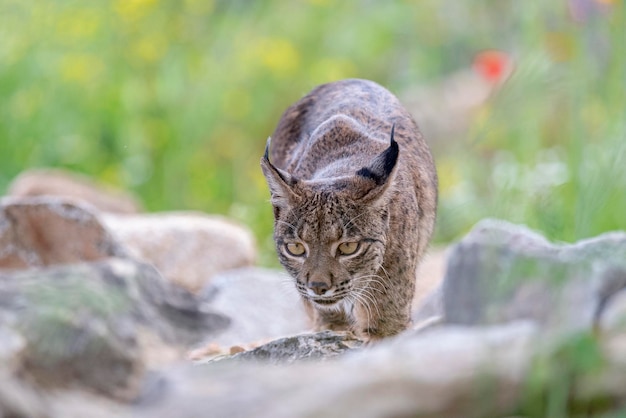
x=186, y=247
x=20, y=400
x=611, y=312
x=72, y=341
x=83, y=323
x=427, y=302
x=12, y=346
x=318, y=346
x=434, y=375
x=81, y=403
x=262, y=304
x=431, y=306
x=43, y=231
x=430, y=273
x=77, y=330
x=74, y=187
x=501, y=272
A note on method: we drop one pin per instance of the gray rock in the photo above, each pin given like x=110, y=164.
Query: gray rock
x=442, y=373
x=611, y=311
x=82, y=323
x=45, y=231
x=74, y=187
x=316, y=346
x=82, y=403
x=19, y=399
x=12, y=345
x=431, y=306
x=188, y=248
x=501, y=272
x=262, y=304
x=493, y=368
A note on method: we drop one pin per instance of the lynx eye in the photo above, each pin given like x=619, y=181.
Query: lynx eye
x=295, y=248
x=348, y=248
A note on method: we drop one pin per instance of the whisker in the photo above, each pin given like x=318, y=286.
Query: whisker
x=382, y=292
x=384, y=271
x=373, y=278
x=357, y=299
x=369, y=297
x=353, y=219
x=388, y=279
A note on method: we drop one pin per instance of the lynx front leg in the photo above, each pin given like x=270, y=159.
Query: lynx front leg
x=381, y=312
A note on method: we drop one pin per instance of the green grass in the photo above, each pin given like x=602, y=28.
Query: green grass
x=174, y=100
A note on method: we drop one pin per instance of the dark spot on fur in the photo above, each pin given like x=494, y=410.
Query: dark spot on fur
x=371, y=331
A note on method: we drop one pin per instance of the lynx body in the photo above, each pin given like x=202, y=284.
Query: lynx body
x=354, y=191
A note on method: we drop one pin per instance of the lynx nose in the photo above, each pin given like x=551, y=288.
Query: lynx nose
x=319, y=287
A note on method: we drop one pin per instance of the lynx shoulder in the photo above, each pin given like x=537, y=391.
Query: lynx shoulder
x=354, y=191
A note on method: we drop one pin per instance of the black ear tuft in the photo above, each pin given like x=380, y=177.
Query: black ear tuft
x=266, y=155
x=280, y=182
x=383, y=165
x=265, y=161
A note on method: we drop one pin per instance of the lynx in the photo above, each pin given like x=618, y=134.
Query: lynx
x=354, y=192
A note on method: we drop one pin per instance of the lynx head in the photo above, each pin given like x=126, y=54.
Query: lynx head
x=330, y=234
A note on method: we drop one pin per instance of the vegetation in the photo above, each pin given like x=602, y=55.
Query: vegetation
x=174, y=99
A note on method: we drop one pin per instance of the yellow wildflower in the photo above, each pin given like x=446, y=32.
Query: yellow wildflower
x=279, y=55
x=80, y=68
x=133, y=10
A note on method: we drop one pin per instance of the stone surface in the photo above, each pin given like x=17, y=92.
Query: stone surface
x=440, y=374
x=501, y=272
x=20, y=400
x=12, y=346
x=430, y=273
x=44, y=231
x=74, y=187
x=611, y=312
x=531, y=328
x=316, y=346
x=82, y=324
x=187, y=247
x=262, y=304
x=427, y=301
x=429, y=308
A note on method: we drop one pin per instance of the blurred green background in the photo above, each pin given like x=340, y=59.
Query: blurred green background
x=173, y=100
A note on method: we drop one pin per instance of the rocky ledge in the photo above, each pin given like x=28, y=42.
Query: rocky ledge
x=110, y=314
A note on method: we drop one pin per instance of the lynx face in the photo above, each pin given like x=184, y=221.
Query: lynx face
x=332, y=246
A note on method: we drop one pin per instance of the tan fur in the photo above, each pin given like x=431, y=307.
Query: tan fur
x=337, y=176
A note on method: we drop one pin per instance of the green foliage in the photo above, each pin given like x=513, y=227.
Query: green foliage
x=174, y=99
x=549, y=149
x=553, y=378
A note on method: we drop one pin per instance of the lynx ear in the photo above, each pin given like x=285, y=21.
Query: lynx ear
x=279, y=181
x=373, y=180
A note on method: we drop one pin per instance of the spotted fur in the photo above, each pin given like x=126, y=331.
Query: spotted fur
x=347, y=163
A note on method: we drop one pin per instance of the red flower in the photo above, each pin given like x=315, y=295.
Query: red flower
x=492, y=65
